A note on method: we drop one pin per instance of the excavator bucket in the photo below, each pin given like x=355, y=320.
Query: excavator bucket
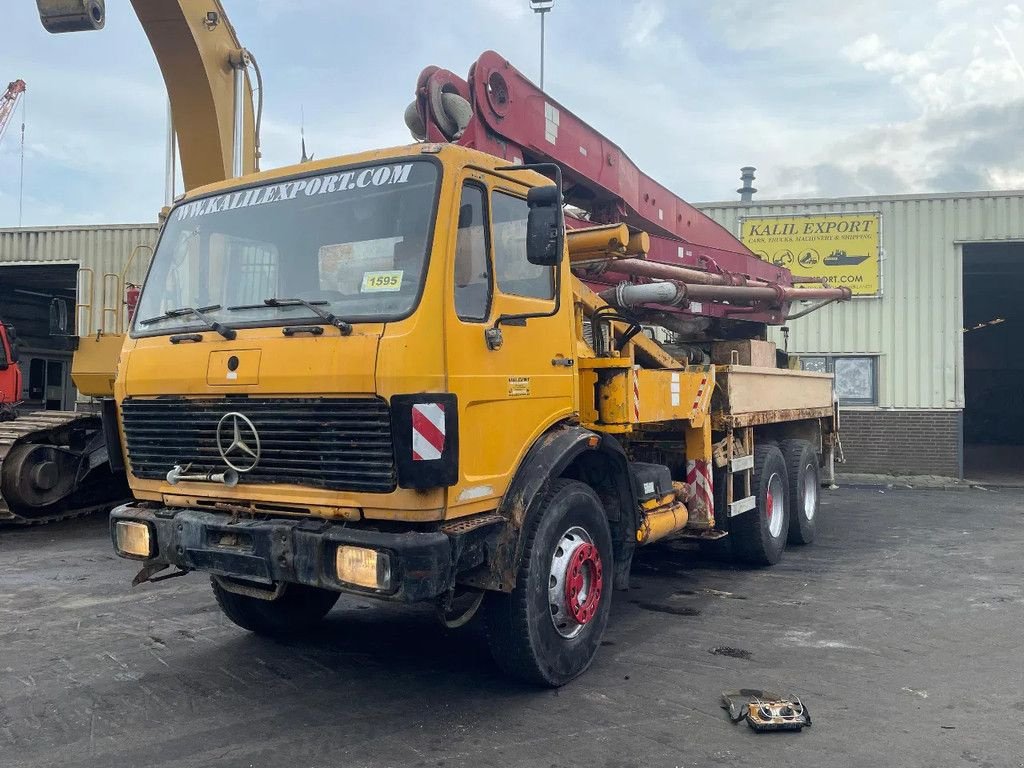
x=71, y=15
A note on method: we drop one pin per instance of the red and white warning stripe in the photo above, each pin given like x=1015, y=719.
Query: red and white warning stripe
x=698, y=398
x=698, y=478
x=636, y=394
x=427, y=431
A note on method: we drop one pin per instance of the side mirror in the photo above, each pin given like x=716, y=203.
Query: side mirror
x=545, y=234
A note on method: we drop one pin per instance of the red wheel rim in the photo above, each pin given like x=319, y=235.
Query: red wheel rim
x=583, y=583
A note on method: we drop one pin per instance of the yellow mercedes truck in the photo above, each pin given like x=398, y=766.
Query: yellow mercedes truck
x=372, y=375
x=479, y=370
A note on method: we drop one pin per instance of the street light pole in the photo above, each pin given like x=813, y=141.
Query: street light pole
x=542, y=50
x=541, y=7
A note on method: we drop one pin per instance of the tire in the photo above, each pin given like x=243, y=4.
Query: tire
x=759, y=534
x=297, y=609
x=804, y=489
x=536, y=633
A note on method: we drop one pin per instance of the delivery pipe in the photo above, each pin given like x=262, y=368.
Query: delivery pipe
x=642, y=268
x=716, y=287
x=678, y=294
x=763, y=293
x=631, y=294
x=692, y=277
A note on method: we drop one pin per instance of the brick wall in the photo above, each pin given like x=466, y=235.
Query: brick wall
x=901, y=442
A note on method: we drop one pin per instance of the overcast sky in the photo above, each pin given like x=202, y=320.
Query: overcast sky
x=826, y=98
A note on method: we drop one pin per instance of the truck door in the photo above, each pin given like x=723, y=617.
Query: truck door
x=510, y=394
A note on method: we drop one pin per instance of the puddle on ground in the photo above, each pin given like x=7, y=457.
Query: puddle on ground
x=675, y=610
x=709, y=592
x=732, y=653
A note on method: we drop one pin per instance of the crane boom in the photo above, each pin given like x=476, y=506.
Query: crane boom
x=205, y=69
x=8, y=103
x=499, y=111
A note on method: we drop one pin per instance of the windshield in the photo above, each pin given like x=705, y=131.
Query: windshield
x=352, y=242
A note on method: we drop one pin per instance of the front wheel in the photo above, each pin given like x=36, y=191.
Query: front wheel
x=295, y=610
x=548, y=629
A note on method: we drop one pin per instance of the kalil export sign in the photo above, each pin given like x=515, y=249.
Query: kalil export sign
x=841, y=248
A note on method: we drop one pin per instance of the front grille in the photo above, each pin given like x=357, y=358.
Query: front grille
x=341, y=444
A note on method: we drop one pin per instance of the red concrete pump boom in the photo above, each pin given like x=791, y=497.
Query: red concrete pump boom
x=499, y=111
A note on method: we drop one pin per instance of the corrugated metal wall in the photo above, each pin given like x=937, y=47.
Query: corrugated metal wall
x=102, y=249
x=915, y=326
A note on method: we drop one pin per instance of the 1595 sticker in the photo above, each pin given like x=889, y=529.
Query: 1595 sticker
x=389, y=280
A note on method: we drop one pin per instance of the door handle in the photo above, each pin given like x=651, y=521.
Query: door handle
x=565, y=362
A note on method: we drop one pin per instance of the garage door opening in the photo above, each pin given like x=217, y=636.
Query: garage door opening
x=39, y=302
x=993, y=362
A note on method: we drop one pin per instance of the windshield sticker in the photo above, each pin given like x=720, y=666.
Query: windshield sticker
x=331, y=183
x=390, y=280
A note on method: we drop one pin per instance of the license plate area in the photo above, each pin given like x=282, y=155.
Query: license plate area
x=235, y=540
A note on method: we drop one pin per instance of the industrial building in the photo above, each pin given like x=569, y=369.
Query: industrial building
x=929, y=368
x=929, y=376
x=44, y=273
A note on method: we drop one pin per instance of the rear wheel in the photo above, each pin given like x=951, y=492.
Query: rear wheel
x=548, y=629
x=759, y=534
x=295, y=610
x=804, y=484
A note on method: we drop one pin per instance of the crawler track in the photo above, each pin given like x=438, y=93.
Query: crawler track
x=53, y=428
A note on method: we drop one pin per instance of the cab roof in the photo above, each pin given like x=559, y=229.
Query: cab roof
x=448, y=153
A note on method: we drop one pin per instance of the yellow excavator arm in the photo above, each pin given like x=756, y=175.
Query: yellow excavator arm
x=206, y=71
x=52, y=464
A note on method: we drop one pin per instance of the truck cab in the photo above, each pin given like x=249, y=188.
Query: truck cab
x=337, y=370
x=415, y=254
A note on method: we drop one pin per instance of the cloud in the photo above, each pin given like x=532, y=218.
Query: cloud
x=503, y=9
x=957, y=67
x=644, y=21
x=873, y=97
x=967, y=148
x=961, y=92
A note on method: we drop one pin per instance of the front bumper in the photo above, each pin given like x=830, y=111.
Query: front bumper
x=300, y=551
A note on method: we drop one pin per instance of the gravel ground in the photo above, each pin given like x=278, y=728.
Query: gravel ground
x=900, y=628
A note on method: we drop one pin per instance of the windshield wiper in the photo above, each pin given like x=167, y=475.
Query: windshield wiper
x=312, y=306
x=211, y=324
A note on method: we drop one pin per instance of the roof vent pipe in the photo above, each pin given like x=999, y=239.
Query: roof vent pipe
x=747, y=190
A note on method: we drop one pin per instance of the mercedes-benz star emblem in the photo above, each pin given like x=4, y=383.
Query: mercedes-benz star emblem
x=238, y=442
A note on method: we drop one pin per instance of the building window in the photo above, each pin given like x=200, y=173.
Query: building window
x=856, y=376
x=254, y=266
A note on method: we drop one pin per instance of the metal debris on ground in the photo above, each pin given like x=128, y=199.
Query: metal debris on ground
x=765, y=710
